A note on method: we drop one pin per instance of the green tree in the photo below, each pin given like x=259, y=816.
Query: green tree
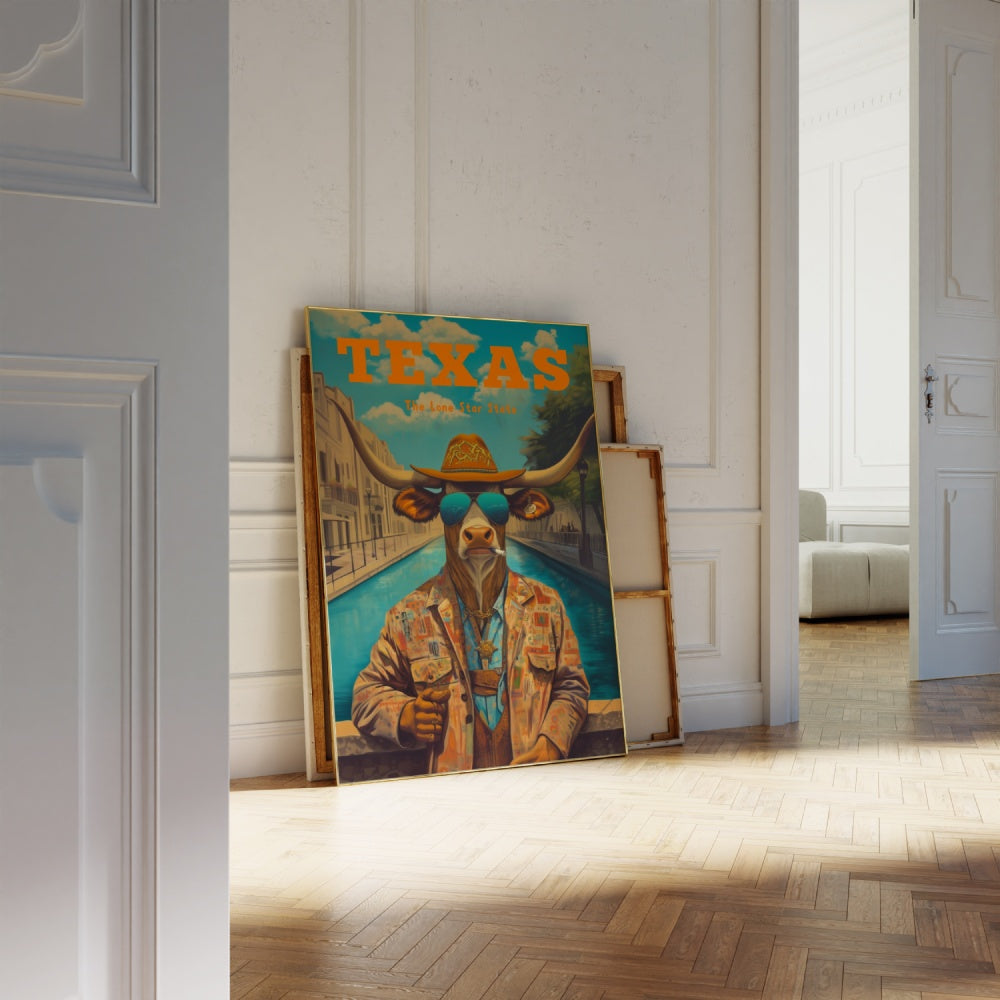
x=559, y=421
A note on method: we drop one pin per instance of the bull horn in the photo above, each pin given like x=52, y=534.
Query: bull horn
x=556, y=473
x=396, y=479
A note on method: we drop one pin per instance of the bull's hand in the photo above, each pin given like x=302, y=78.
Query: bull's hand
x=423, y=719
x=543, y=750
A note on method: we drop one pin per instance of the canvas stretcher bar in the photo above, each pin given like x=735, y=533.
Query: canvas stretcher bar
x=320, y=763
x=640, y=571
x=609, y=403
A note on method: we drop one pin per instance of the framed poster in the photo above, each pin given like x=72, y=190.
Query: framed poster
x=466, y=594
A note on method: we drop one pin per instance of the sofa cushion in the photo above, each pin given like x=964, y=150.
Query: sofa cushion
x=889, y=591
x=852, y=579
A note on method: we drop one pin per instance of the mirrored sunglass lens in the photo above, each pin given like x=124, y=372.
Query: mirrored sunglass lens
x=454, y=506
x=494, y=506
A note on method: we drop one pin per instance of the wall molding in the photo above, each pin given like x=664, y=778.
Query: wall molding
x=263, y=543
x=356, y=146
x=779, y=643
x=715, y=282
x=261, y=486
x=706, y=516
x=265, y=697
x=711, y=560
x=421, y=160
x=845, y=111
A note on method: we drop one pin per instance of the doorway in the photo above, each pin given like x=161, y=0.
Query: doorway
x=854, y=251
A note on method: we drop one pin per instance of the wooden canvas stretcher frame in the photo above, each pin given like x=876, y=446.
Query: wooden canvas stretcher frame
x=609, y=403
x=640, y=573
x=317, y=683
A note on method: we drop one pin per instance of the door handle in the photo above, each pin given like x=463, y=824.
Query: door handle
x=929, y=379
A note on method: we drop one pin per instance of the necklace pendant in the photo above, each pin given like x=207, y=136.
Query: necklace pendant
x=486, y=649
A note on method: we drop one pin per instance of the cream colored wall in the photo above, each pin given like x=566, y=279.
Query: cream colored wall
x=591, y=162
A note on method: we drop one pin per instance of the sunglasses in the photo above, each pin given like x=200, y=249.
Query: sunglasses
x=454, y=506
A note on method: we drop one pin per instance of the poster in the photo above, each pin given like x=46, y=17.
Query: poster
x=468, y=602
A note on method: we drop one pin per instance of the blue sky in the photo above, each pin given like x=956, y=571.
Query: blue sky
x=419, y=435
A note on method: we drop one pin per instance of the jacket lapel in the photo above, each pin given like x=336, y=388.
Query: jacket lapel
x=519, y=593
x=443, y=603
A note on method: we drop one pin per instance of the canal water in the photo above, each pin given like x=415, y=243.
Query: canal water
x=356, y=617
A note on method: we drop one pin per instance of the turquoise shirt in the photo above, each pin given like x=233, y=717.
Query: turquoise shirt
x=490, y=707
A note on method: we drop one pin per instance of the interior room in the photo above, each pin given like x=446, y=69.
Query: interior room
x=854, y=301
x=179, y=181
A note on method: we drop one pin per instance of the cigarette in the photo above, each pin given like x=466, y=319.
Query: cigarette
x=498, y=552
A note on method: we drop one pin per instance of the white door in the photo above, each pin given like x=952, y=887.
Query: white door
x=955, y=468
x=113, y=499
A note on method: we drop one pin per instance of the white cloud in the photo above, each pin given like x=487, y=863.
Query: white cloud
x=544, y=338
x=499, y=396
x=389, y=327
x=421, y=363
x=441, y=330
x=347, y=322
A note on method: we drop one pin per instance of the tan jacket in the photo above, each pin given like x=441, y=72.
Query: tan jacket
x=422, y=646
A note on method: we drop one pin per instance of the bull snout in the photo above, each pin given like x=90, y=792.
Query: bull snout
x=479, y=536
x=477, y=539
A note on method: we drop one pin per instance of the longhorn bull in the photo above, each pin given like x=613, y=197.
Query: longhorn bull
x=479, y=665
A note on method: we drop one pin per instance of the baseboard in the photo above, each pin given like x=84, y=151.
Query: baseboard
x=266, y=748
x=721, y=706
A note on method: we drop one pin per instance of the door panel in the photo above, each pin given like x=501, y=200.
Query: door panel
x=955, y=627
x=76, y=718
x=113, y=499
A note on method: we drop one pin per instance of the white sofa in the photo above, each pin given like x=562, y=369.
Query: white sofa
x=847, y=579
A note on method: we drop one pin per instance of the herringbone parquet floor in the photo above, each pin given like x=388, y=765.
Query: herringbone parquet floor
x=853, y=855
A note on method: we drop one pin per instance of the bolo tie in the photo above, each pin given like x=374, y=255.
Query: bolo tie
x=485, y=647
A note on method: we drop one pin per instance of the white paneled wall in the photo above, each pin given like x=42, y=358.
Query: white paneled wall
x=594, y=161
x=266, y=697
x=854, y=265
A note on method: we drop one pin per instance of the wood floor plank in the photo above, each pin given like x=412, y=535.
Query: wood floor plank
x=856, y=986
x=688, y=935
x=482, y=974
x=426, y=952
x=931, y=920
x=751, y=961
x=864, y=904
x=634, y=909
x=657, y=927
x=969, y=935
x=548, y=986
x=467, y=948
x=896, y=913
x=719, y=946
x=824, y=980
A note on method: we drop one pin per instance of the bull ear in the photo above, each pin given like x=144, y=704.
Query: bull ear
x=417, y=504
x=530, y=505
